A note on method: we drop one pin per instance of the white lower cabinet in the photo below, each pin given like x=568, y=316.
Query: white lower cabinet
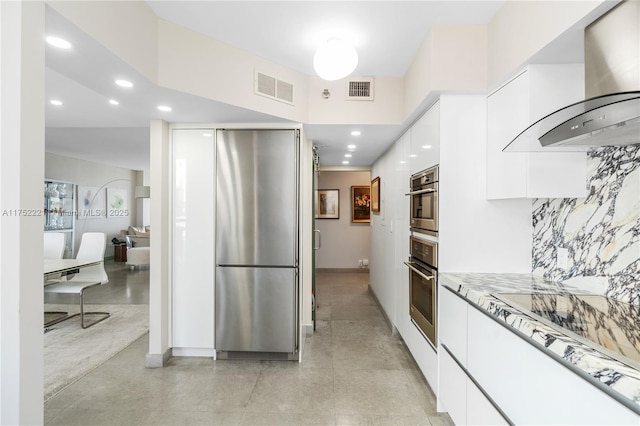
x=480, y=411
x=453, y=388
x=529, y=386
x=457, y=392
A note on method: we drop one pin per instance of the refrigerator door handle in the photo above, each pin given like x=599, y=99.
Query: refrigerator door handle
x=318, y=240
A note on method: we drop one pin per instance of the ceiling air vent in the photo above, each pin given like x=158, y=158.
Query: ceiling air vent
x=273, y=88
x=360, y=89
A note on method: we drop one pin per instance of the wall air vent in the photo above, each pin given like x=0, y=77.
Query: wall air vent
x=271, y=87
x=360, y=89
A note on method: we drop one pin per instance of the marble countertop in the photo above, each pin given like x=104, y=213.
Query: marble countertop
x=622, y=378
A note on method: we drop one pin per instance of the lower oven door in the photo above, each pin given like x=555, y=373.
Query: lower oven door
x=423, y=299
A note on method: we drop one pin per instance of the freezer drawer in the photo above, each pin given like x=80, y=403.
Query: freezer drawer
x=256, y=309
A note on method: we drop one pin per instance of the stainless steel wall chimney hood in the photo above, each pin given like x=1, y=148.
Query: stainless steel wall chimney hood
x=611, y=114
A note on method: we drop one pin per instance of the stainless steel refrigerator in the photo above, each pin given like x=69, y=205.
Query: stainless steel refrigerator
x=256, y=288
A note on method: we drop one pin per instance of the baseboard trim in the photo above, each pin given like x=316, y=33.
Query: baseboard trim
x=338, y=270
x=157, y=360
x=194, y=352
x=394, y=330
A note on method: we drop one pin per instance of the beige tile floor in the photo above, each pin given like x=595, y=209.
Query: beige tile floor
x=354, y=372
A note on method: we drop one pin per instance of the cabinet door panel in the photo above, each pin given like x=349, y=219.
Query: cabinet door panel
x=529, y=386
x=452, y=388
x=453, y=324
x=479, y=410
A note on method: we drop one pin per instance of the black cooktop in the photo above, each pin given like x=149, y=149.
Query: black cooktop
x=591, y=318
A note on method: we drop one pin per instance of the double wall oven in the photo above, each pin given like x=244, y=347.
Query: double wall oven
x=423, y=258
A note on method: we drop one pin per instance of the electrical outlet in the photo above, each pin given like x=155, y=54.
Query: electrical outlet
x=562, y=258
x=359, y=263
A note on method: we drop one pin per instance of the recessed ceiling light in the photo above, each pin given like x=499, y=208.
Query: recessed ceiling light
x=164, y=108
x=55, y=102
x=351, y=147
x=403, y=162
x=347, y=155
x=207, y=134
x=413, y=155
x=426, y=146
x=345, y=162
x=124, y=83
x=58, y=42
x=114, y=102
x=356, y=133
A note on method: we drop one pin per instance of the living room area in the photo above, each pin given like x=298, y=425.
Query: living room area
x=96, y=198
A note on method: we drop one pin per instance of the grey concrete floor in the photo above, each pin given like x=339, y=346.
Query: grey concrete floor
x=353, y=372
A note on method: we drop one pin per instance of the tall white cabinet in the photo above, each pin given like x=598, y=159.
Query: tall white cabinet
x=536, y=92
x=193, y=267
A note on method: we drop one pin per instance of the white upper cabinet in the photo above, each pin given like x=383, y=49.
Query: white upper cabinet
x=533, y=94
x=425, y=140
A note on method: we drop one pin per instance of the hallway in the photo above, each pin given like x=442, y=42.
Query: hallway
x=353, y=372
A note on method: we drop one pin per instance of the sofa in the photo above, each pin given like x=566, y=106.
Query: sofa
x=138, y=242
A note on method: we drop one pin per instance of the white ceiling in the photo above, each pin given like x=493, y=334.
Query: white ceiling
x=386, y=34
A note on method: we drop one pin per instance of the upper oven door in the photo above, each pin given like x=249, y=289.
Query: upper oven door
x=424, y=207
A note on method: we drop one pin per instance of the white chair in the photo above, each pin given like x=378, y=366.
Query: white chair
x=53, y=245
x=92, y=247
x=54, y=249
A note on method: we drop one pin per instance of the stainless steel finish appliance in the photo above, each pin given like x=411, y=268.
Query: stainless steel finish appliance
x=423, y=287
x=611, y=114
x=424, y=201
x=256, y=287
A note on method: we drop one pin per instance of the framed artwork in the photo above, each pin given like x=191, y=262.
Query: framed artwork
x=375, y=195
x=91, y=203
x=328, y=204
x=360, y=204
x=117, y=205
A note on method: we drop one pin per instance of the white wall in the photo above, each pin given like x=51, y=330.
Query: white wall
x=21, y=181
x=451, y=57
x=135, y=39
x=343, y=242
x=88, y=173
x=521, y=28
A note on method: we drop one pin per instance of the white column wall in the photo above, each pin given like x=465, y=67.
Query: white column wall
x=21, y=180
x=160, y=268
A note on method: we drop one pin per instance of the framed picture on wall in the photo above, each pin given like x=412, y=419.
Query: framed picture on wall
x=375, y=195
x=117, y=205
x=328, y=204
x=360, y=204
x=91, y=202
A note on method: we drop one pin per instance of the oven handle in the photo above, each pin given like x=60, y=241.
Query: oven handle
x=422, y=191
x=417, y=271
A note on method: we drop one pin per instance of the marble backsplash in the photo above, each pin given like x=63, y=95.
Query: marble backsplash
x=601, y=232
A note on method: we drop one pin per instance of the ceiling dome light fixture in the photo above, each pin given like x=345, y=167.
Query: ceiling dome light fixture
x=114, y=102
x=335, y=59
x=164, y=108
x=124, y=83
x=55, y=102
x=58, y=42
